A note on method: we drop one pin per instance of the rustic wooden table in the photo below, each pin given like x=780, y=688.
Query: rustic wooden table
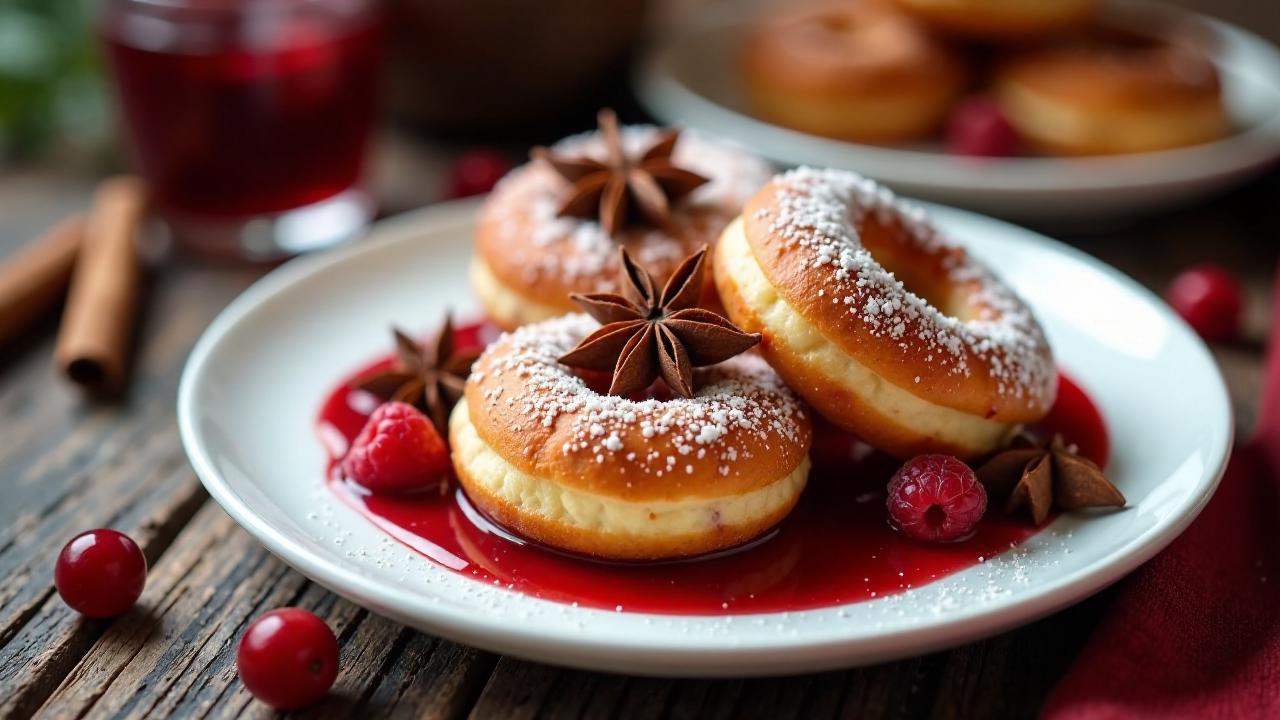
x=67, y=465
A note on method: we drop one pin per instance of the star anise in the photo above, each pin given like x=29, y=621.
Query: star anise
x=1042, y=476
x=429, y=378
x=623, y=188
x=647, y=334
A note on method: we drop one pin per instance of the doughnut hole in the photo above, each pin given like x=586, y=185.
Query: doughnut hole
x=925, y=274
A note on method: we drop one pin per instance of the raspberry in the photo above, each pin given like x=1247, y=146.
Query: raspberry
x=1209, y=299
x=936, y=498
x=977, y=128
x=398, y=451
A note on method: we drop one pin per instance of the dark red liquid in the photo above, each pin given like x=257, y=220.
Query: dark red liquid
x=222, y=128
x=835, y=548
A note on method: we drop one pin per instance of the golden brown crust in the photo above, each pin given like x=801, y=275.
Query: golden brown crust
x=1117, y=93
x=1131, y=74
x=544, y=258
x=624, y=460
x=834, y=400
x=819, y=69
x=598, y=543
x=537, y=271
x=909, y=359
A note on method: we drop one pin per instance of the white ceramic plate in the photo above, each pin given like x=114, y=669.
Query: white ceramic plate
x=690, y=77
x=254, y=383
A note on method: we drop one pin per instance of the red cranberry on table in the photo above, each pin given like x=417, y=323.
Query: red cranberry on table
x=288, y=658
x=1209, y=299
x=936, y=498
x=475, y=172
x=978, y=128
x=398, y=451
x=100, y=573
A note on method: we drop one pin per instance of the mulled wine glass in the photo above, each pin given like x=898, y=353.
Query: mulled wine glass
x=250, y=120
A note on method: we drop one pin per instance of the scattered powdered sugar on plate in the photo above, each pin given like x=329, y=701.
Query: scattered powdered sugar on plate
x=735, y=399
x=818, y=211
x=992, y=582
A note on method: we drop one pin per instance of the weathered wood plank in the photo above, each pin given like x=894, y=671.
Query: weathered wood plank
x=174, y=654
x=515, y=690
x=1011, y=674
x=75, y=466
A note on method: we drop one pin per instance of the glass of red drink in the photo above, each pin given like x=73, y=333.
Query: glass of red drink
x=249, y=119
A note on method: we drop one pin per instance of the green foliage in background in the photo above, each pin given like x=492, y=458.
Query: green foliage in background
x=51, y=89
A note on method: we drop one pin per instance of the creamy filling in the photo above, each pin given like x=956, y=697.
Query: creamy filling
x=556, y=503
x=787, y=329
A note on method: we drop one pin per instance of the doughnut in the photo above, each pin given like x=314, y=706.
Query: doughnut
x=854, y=70
x=527, y=260
x=880, y=323
x=1112, y=94
x=543, y=452
x=1001, y=19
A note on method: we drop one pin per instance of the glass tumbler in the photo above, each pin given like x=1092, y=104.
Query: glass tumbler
x=250, y=120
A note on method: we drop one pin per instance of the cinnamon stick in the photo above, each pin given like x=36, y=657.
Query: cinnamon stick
x=97, y=326
x=34, y=279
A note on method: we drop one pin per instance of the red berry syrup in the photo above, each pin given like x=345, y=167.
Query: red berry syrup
x=228, y=120
x=835, y=548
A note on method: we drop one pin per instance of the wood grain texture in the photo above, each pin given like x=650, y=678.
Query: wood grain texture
x=67, y=465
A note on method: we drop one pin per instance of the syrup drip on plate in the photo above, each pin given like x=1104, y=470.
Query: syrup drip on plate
x=835, y=548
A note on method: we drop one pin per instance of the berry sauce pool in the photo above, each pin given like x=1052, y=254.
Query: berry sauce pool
x=835, y=548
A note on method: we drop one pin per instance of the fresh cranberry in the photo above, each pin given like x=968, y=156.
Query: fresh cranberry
x=936, y=498
x=475, y=172
x=398, y=451
x=100, y=573
x=288, y=658
x=1209, y=299
x=978, y=128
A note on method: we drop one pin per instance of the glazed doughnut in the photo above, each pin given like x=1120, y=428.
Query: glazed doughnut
x=1113, y=94
x=886, y=328
x=1001, y=19
x=854, y=69
x=543, y=453
x=528, y=260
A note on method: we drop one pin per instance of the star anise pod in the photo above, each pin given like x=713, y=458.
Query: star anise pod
x=649, y=334
x=623, y=188
x=429, y=378
x=1043, y=476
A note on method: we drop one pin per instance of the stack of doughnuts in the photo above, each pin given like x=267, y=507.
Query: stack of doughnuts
x=864, y=313
x=882, y=71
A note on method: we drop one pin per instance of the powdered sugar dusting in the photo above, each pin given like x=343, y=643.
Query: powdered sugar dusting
x=739, y=398
x=817, y=212
x=526, y=201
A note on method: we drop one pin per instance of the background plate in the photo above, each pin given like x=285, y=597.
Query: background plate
x=691, y=77
x=254, y=382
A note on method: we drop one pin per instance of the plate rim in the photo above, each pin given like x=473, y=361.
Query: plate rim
x=763, y=655
x=1250, y=149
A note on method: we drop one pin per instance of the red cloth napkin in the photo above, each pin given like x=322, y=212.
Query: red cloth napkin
x=1195, y=632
